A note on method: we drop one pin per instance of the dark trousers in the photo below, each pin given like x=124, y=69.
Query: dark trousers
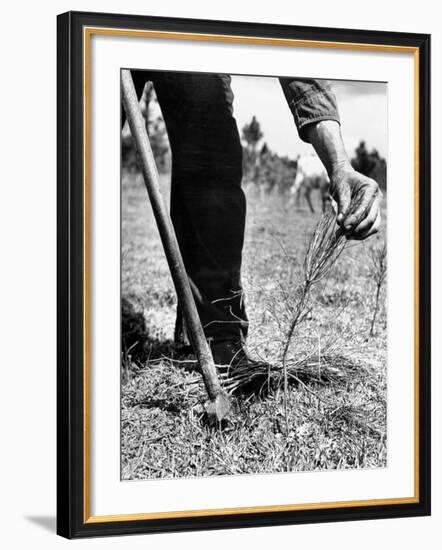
x=208, y=206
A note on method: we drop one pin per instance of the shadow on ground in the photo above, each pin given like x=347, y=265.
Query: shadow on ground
x=48, y=523
x=136, y=343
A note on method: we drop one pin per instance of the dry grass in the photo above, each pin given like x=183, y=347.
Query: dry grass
x=331, y=413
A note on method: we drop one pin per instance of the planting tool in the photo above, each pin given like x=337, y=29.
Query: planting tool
x=218, y=404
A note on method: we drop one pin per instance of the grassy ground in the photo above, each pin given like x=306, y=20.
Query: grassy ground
x=336, y=404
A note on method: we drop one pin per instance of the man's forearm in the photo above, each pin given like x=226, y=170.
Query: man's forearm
x=326, y=138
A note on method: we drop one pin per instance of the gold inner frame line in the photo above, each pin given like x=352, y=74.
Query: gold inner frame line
x=87, y=33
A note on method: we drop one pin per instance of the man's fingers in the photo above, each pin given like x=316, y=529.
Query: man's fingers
x=372, y=230
x=369, y=219
x=360, y=207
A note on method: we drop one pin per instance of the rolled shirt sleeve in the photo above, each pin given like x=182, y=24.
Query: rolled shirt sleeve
x=310, y=101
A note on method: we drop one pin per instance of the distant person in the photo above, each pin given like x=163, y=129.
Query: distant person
x=208, y=207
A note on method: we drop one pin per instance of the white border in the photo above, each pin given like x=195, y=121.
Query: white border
x=108, y=494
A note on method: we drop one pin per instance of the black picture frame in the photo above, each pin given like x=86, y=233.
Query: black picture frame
x=71, y=393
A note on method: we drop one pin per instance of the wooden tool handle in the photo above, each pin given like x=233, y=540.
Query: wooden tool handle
x=168, y=237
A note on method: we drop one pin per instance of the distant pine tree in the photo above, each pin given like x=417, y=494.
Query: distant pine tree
x=371, y=164
x=252, y=133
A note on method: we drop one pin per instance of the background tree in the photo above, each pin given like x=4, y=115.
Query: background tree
x=156, y=129
x=371, y=164
x=251, y=133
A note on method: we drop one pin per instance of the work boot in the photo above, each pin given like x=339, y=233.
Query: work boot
x=229, y=353
x=232, y=359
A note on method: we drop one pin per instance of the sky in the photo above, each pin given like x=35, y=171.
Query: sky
x=362, y=108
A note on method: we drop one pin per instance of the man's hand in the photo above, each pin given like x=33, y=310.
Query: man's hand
x=358, y=199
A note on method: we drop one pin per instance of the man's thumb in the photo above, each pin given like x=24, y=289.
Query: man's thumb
x=343, y=204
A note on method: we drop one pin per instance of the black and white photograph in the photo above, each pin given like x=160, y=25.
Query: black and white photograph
x=219, y=288
x=243, y=270
x=253, y=274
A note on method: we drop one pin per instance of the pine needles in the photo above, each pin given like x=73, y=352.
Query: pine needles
x=378, y=271
x=324, y=248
